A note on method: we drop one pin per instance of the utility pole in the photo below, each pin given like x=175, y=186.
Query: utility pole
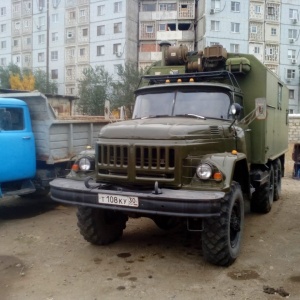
x=47, y=48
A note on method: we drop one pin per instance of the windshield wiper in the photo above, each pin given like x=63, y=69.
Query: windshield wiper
x=191, y=115
x=156, y=116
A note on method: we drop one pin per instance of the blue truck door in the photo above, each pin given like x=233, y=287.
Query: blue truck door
x=17, y=145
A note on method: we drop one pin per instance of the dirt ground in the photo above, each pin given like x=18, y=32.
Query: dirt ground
x=43, y=256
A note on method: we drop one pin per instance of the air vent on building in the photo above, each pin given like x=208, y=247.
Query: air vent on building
x=212, y=11
x=292, y=40
x=294, y=20
x=294, y=61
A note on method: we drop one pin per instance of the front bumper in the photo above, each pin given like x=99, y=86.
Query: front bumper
x=179, y=203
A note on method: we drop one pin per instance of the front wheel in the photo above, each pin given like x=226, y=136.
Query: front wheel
x=222, y=236
x=100, y=226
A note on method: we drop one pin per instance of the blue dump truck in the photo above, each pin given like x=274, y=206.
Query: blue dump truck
x=36, y=144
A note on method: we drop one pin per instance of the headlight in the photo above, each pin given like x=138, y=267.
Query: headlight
x=84, y=164
x=204, y=171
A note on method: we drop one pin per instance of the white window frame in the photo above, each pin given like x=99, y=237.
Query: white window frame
x=3, y=11
x=117, y=7
x=273, y=31
x=292, y=33
x=117, y=48
x=291, y=94
x=41, y=21
x=54, y=55
x=100, y=50
x=118, y=27
x=214, y=25
x=235, y=6
x=100, y=30
x=41, y=39
x=54, y=74
x=234, y=48
x=100, y=10
x=3, y=27
x=149, y=28
x=257, y=9
x=41, y=56
x=293, y=14
x=82, y=51
x=85, y=32
x=54, y=36
x=3, y=61
x=55, y=18
x=3, y=45
x=290, y=73
x=235, y=27
x=216, y=5
x=291, y=53
x=256, y=50
x=271, y=10
x=253, y=29
x=82, y=13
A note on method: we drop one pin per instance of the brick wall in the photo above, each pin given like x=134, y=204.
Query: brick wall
x=294, y=128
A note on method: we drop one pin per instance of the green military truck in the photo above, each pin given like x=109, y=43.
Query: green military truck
x=208, y=133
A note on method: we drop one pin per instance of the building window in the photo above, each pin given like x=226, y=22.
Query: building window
x=291, y=94
x=17, y=25
x=100, y=10
x=257, y=9
x=291, y=111
x=28, y=41
x=235, y=27
x=41, y=39
x=3, y=61
x=167, y=6
x=3, y=44
x=256, y=50
x=72, y=15
x=117, y=27
x=116, y=48
x=69, y=34
x=292, y=33
x=271, y=10
x=18, y=59
x=84, y=32
x=54, y=55
x=3, y=11
x=100, y=50
x=26, y=23
x=214, y=43
x=41, y=21
x=215, y=25
x=149, y=7
x=253, y=29
x=117, y=7
x=216, y=5
x=54, y=36
x=54, y=74
x=82, y=13
x=101, y=30
x=55, y=18
x=3, y=27
x=162, y=27
x=82, y=51
x=41, y=4
x=290, y=74
x=27, y=58
x=235, y=6
x=41, y=57
x=293, y=14
x=234, y=48
x=149, y=29
x=273, y=31
x=16, y=43
x=291, y=54
x=116, y=69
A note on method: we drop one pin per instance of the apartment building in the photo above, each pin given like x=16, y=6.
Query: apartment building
x=63, y=37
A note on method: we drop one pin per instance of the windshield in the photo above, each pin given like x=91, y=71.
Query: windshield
x=204, y=103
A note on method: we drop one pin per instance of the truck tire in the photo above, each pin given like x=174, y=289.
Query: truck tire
x=222, y=236
x=100, y=226
x=262, y=198
x=277, y=179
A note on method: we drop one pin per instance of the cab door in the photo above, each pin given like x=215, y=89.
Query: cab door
x=17, y=145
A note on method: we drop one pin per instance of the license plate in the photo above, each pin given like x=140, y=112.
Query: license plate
x=118, y=200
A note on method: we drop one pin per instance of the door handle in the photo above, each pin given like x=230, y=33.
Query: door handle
x=26, y=137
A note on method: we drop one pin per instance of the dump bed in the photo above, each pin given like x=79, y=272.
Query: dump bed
x=58, y=138
x=269, y=137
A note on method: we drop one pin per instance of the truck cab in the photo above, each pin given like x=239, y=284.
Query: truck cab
x=17, y=152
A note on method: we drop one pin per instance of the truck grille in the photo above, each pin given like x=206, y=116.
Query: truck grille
x=136, y=162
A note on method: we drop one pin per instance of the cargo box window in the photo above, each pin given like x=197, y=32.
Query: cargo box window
x=11, y=119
